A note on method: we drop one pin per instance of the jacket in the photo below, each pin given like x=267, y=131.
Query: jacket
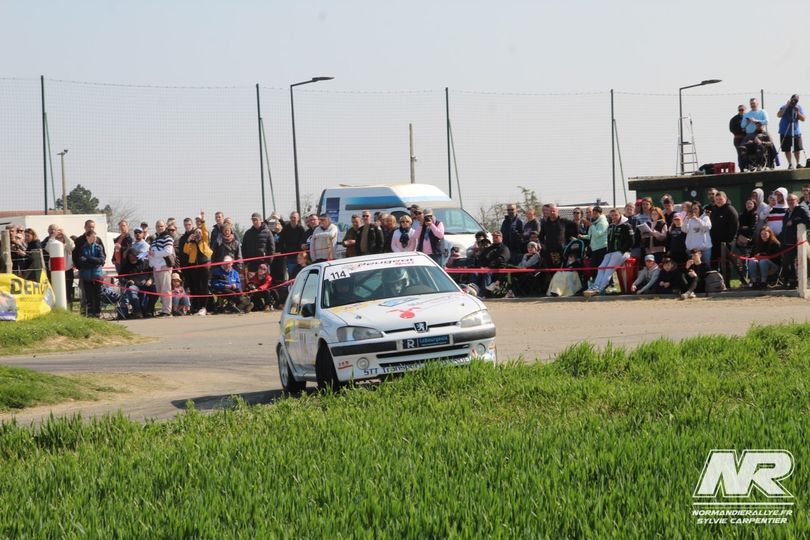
x=725, y=223
x=697, y=232
x=374, y=239
x=554, y=234
x=221, y=278
x=198, y=252
x=791, y=220
x=322, y=243
x=620, y=237
x=597, y=233
x=647, y=277
x=258, y=242
x=162, y=247
x=495, y=256
x=292, y=238
x=91, y=259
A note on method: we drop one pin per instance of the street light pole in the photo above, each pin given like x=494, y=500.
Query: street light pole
x=295, y=148
x=64, y=185
x=680, y=115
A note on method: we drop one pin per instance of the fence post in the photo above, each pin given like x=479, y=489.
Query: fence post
x=56, y=249
x=5, y=247
x=801, y=263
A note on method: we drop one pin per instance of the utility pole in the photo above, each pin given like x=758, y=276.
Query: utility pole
x=64, y=184
x=413, y=158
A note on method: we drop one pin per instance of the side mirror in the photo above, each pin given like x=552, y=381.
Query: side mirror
x=308, y=310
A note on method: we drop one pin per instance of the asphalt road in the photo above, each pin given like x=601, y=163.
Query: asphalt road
x=206, y=360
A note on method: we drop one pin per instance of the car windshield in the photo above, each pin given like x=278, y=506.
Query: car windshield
x=457, y=221
x=350, y=283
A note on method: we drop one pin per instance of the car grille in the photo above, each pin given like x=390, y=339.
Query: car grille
x=410, y=328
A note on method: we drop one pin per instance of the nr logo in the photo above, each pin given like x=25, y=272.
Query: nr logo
x=726, y=474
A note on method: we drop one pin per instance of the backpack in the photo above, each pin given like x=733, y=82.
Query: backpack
x=714, y=282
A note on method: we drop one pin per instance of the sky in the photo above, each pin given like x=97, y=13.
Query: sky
x=496, y=51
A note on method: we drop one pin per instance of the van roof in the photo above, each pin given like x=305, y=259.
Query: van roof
x=391, y=195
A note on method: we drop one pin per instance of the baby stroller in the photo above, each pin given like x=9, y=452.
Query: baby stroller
x=569, y=283
x=757, y=152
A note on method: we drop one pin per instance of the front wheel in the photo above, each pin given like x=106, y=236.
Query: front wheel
x=288, y=382
x=325, y=372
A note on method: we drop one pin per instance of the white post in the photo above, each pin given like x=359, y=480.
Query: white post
x=801, y=262
x=56, y=249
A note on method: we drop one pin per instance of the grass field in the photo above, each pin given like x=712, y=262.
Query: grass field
x=597, y=444
x=59, y=330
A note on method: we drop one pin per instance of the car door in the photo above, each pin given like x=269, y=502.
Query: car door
x=309, y=326
x=290, y=327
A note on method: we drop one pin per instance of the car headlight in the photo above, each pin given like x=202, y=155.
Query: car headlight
x=476, y=319
x=357, y=333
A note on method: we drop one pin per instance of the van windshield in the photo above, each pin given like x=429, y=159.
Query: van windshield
x=457, y=221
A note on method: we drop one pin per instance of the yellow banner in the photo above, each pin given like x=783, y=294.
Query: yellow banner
x=21, y=299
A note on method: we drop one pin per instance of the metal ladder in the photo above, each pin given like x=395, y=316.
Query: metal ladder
x=689, y=163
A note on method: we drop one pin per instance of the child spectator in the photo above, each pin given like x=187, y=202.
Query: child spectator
x=261, y=296
x=647, y=276
x=181, y=305
x=671, y=279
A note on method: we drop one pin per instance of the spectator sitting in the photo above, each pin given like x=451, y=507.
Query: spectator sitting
x=137, y=280
x=261, y=296
x=765, y=263
x=567, y=283
x=225, y=281
x=524, y=284
x=494, y=256
x=696, y=271
x=647, y=276
x=181, y=305
x=670, y=278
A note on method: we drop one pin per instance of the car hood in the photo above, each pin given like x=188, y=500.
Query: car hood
x=401, y=313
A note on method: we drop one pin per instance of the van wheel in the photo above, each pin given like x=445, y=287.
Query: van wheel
x=288, y=382
x=325, y=372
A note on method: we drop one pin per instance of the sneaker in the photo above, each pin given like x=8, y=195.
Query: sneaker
x=790, y=166
x=799, y=166
x=687, y=296
x=492, y=287
x=163, y=314
x=510, y=294
x=202, y=312
x=249, y=307
x=590, y=292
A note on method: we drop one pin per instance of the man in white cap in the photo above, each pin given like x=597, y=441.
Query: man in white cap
x=647, y=277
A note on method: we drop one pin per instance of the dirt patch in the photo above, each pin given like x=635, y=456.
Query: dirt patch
x=60, y=344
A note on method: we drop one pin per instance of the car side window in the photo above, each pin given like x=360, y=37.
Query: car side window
x=295, y=296
x=310, y=291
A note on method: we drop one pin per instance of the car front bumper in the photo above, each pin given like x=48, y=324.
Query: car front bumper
x=370, y=359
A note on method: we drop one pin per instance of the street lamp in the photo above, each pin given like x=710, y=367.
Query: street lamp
x=680, y=113
x=295, y=149
x=64, y=191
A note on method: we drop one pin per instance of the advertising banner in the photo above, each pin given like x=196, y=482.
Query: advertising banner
x=21, y=299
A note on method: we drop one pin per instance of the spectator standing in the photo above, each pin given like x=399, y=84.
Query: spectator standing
x=736, y=129
x=351, y=237
x=597, y=236
x=258, y=242
x=32, y=265
x=581, y=221
x=725, y=224
x=794, y=215
x=620, y=241
x=291, y=238
x=323, y=240
x=148, y=237
x=532, y=224
x=669, y=209
x=404, y=238
x=697, y=228
x=790, y=133
x=370, y=236
x=431, y=235
x=676, y=240
x=765, y=259
x=89, y=226
x=654, y=235
x=122, y=243
x=388, y=228
x=777, y=212
x=277, y=266
x=312, y=224
x=160, y=253
x=90, y=260
x=217, y=230
x=512, y=231
x=229, y=246
x=197, y=252
x=554, y=234
x=763, y=209
x=754, y=120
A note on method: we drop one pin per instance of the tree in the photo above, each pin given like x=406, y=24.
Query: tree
x=80, y=201
x=120, y=210
x=492, y=217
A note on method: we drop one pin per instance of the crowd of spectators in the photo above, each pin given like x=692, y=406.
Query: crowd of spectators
x=677, y=248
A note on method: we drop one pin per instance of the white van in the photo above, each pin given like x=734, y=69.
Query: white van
x=343, y=201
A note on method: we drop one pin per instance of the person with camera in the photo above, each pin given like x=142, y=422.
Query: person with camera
x=698, y=231
x=196, y=251
x=431, y=235
x=790, y=134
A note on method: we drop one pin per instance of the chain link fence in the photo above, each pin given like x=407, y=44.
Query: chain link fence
x=170, y=151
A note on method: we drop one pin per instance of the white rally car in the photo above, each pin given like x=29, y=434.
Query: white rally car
x=367, y=317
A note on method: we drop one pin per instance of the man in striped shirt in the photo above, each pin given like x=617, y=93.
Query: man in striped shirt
x=160, y=250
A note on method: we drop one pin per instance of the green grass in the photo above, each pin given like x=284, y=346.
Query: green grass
x=603, y=444
x=33, y=335
x=21, y=388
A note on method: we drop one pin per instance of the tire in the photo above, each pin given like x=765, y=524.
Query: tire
x=325, y=372
x=285, y=374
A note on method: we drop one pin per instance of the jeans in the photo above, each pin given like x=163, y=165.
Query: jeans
x=614, y=258
x=759, y=270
